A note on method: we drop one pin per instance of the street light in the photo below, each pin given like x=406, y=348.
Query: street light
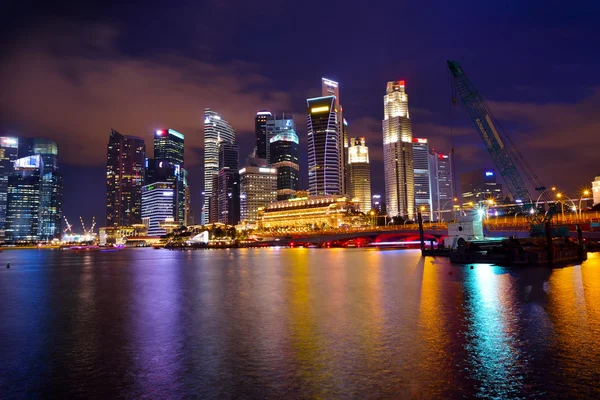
x=584, y=193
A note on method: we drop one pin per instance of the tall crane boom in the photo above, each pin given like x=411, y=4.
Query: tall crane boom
x=505, y=158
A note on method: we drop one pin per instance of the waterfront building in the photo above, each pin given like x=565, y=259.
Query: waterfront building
x=158, y=205
x=478, y=187
x=262, y=138
x=324, y=165
x=9, y=152
x=51, y=195
x=442, y=185
x=332, y=88
x=596, y=190
x=258, y=188
x=169, y=161
x=112, y=235
x=309, y=213
x=284, y=152
x=23, y=199
x=397, y=152
x=216, y=129
x=125, y=175
x=228, y=191
x=421, y=171
x=359, y=174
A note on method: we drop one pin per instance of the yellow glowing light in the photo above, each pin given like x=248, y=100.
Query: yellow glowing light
x=491, y=201
x=553, y=187
x=559, y=195
x=422, y=208
x=319, y=109
x=586, y=192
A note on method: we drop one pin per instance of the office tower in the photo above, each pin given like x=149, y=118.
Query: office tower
x=9, y=152
x=23, y=199
x=596, y=190
x=332, y=88
x=442, y=188
x=324, y=175
x=421, y=168
x=169, y=150
x=228, y=193
x=258, y=188
x=359, y=173
x=189, y=214
x=376, y=202
x=51, y=196
x=284, y=149
x=397, y=152
x=479, y=187
x=158, y=205
x=262, y=139
x=124, y=179
x=216, y=129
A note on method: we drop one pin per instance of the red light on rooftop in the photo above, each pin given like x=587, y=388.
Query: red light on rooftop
x=401, y=83
x=441, y=155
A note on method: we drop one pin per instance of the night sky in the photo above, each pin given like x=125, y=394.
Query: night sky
x=72, y=74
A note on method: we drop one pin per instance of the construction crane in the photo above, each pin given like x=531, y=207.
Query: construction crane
x=93, y=225
x=69, y=226
x=506, y=156
x=83, y=226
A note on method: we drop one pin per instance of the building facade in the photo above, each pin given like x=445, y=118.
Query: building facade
x=442, y=185
x=284, y=152
x=397, y=152
x=9, y=152
x=23, y=200
x=258, y=188
x=125, y=176
x=228, y=191
x=359, y=174
x=262, y=138
x=216, y=129
x=169, y=161
x=157, y=206
x=596, y=190
x=422, y=182
x=51, y=195
x=324, y=166
x=332, y=88
x=479, y=187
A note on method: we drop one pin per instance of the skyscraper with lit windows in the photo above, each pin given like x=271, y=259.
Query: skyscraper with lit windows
x=262, y=138
x=398, y=152
x=324, y=175
x=359, y=173
x=23, y=200
x=421, y=170
x=9, y=152
x=216, y=129
x=332, y=88
x=284, y=153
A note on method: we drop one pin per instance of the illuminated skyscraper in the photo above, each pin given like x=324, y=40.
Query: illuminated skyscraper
x=157, y=205
x=421, y=168
x=397, y=152
x=51, y=195
x=332, y=88
x=169, y=155
x=359, y=173
x=258, y=188
x=442, y=188
x=9, y=152
x=169, y=146
x=125, y=162
x=216, y=129
x=324, y=166
x=262, y=139
x=228, y=192
x=23, y=199
x=284, y=149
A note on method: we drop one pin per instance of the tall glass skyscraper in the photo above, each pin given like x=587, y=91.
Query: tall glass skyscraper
x=9, y=152
x=157, y=205
x=23, y=199
x=284, y=152
x=332, y=88
x=421, y=169
x=359, y=173
x=397, y=152
x=442, y=187
x=216, y=129
x=125, y=162
x=51, y=195
x=227, y=194
x=168, y=146
x=324, y=175
x=262, y=139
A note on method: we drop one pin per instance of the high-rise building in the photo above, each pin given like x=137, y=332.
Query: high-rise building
x=228, y=193
x=397, y=152
x=480, y=186
x=158, y=206
x=284, y=150
x=23, y=199
x=421, y=168
x=262, y=139
x=189, y=214
x=324, y=175
x=258, y=188
x=51, y=195
x=359, y=173
x=125, y=174
x=332, y=88
x=169, y=152
x=442, y=186
x=216, y=129
x=9, y=152
x=596, y=190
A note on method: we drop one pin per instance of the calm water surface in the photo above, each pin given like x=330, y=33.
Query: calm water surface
x=294, y=323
